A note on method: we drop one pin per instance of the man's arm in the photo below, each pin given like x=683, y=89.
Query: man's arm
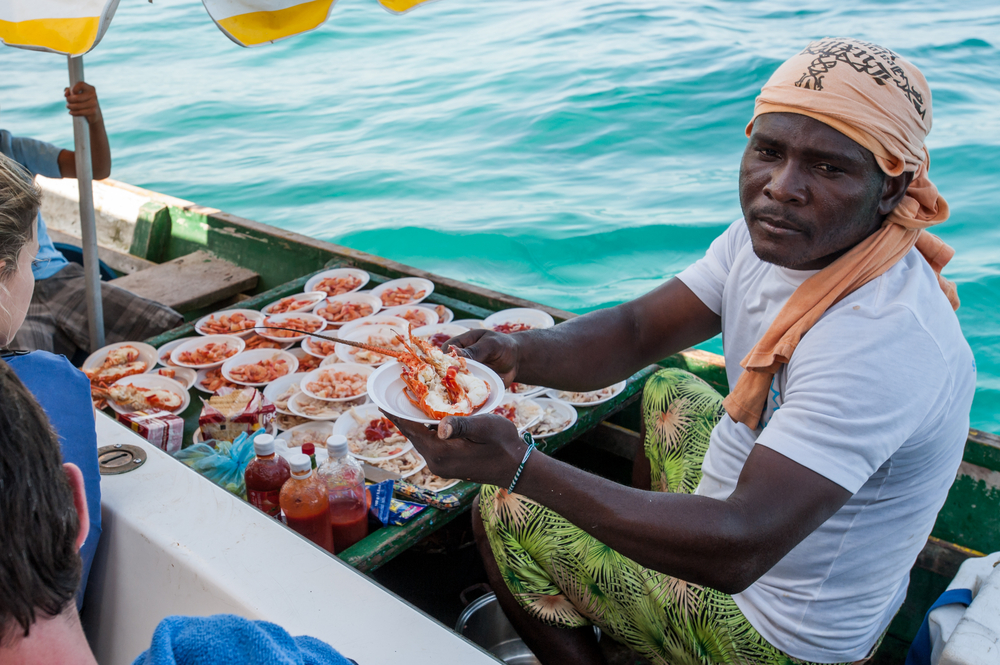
x=600, y=348
x=723, y=544
x=82, y=101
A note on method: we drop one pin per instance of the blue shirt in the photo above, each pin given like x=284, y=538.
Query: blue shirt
x=39, y=158
x=64, y=393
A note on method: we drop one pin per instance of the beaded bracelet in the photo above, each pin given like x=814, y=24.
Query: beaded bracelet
x=527, y=453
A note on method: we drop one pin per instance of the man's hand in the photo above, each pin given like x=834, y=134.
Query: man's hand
x=497, y=351
x=82, y=100
x=485, y=449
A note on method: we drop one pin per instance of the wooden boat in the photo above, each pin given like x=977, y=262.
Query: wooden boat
x=142, y=232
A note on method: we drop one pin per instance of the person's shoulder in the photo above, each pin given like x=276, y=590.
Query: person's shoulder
x=903, y=314
x=52, y=367
x=908, y=290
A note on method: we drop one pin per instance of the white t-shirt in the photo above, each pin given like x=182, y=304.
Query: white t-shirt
x=876, y=398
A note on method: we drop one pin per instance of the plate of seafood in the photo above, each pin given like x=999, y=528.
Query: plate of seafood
x=416, y=316
x=556, y=417
x=471, y=324
x=337, y=281
x=337, y=382
x=182, y=375
x=147, y=392
x=210, y=380
x=259, y=367
x=382, y=336
x=432, y=385
x=320, y=348
x=315, y=433
x=426, y=479
x=301, y=322
x=286, y=421
x=347, y=307
x=405, y=291
x=163, y=353
x=112, y=362
x=522, y=411
x=282, y=389
x=307, y=362
x=589, y=398
x=199, y=437
x=406, y=465
x=524, y=389
x=206, y=352
x=374, y=320
x=518, y=319
x=300, y=302
x=445, y=315
x=255, y=341
x=370, y=436
x=239, y=322
x=304, y=406
x=439, y=333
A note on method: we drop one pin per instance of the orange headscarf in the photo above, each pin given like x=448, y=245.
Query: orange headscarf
x=881, y=101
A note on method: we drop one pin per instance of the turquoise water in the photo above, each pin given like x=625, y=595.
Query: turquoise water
x=576, y=154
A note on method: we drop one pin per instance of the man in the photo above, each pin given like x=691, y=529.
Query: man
x=44, y=522
x=57, y=318
x=785, y=519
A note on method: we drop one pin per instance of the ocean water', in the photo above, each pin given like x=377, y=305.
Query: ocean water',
x=577, y=154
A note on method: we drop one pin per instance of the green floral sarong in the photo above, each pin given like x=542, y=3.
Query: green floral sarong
x=564, y=577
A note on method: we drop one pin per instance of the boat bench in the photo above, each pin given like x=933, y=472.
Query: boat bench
x=190, y=282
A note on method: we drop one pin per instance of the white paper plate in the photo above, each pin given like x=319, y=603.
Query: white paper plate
x=153, y=381
x=562, y=408
x=449, y=329
x=147, y=354
x=251, y=314
x=517, y=399
x=279, y=319
x=199, y=377
x=404, y=476
x=554, y=394
x=444, y=316
x=255, y=356
x=182, y=375
x=274, y=389
x=251, y=338
x=429, y=316
x=374, y=320
x=356, y=368
x=535, y=318
x=231, y=341
x=304, y=357
x=199, y=437
x=418, y=284
x=365, y=298
x=163, y=353
x=347, y=353
x=535, y=390
x=385, y=388
x=283, y=442
x=471, y=324
x=311, y=285
x=341, y=407
x=313, y=297
x=346, y=424
x=278, y=417
x=308, y=348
